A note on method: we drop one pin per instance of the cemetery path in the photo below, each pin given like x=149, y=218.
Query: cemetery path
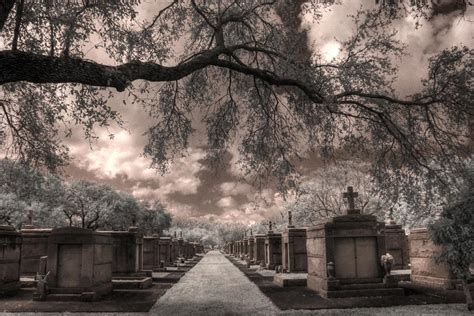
x=214, y=286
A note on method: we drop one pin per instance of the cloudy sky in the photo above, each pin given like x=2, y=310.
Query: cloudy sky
x=192, y=189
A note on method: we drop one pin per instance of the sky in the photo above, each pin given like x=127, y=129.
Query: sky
x=192, y=189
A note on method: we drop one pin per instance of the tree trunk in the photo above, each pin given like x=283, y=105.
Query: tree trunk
x=467, y=292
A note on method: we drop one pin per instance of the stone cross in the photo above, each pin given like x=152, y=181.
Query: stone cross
x=270, y=226
x=350, y=195
x=181, y=234
x=290, y=219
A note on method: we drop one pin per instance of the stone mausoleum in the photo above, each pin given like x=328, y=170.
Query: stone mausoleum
x=344, y=255
x=80, y=262
x=294, y=257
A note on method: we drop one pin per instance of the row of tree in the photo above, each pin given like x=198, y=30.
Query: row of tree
x=53, y=202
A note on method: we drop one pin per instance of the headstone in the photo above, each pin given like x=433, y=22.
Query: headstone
x=272, y=250
x=344, y=255
x=259, y=249
x=79, y=262
x=34, y=246
x=425, y=271
x=10, y=250
x=151, y=252
x=294, y=258
x=396, y=243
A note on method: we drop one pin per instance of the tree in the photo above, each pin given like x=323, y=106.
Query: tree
x=153, y=219
x=454, y=231
x=321, y=196
x=242, y=69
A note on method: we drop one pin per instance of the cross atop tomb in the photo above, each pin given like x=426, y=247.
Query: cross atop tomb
x=30, y=217
x=290, y=219
x=350, y=195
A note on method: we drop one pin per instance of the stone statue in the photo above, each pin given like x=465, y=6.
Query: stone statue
x=41, y=287
x=270, y=226
x=387, y=262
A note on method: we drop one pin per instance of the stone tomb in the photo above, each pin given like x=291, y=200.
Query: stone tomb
x=424, y=269
x=151, y=253
x=245, y=246
x=10, y=253
x=127, y=260
x=251, y=244
x=259, y=249
x=174, y=249
x=127, y=252
x=272, y=249
x=166, y=251
x=34, y=246
x=344, y=256
x=294, y=259
x=79, y=262
x=396, y=243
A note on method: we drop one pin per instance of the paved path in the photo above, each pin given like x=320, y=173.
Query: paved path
x=214, y=286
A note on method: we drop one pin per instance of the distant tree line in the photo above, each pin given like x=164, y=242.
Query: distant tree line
x=50, y=201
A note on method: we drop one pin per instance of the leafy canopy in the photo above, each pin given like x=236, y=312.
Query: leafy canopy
x=243, y=69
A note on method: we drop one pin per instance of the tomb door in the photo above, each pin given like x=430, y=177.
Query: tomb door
x=69, y=266
x=356, y=257
x=286, y=256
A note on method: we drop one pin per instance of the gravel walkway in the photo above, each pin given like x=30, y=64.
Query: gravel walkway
x=214, y=286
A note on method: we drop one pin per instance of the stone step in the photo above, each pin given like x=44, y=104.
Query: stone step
x=365, y=293
x=359, y=286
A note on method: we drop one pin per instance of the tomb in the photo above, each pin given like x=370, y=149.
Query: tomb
x=425, y=271
x=34, y=246
x=396, y=243
x=10, y=254
x=127, y=252
x=174, y=248
x=344, y=255
x=272, y=249
x=294, y=257
x=165, y=248
x=259, y=249
x=181, y=245
x=80, y=263
x=245, y=246
x=151, y=252
x=251, y=243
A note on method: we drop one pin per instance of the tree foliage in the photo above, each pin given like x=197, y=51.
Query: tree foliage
x=454, y=231
x=241, y=69
x=53, y=202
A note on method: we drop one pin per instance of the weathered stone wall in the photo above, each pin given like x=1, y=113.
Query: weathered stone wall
x=424, y=269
